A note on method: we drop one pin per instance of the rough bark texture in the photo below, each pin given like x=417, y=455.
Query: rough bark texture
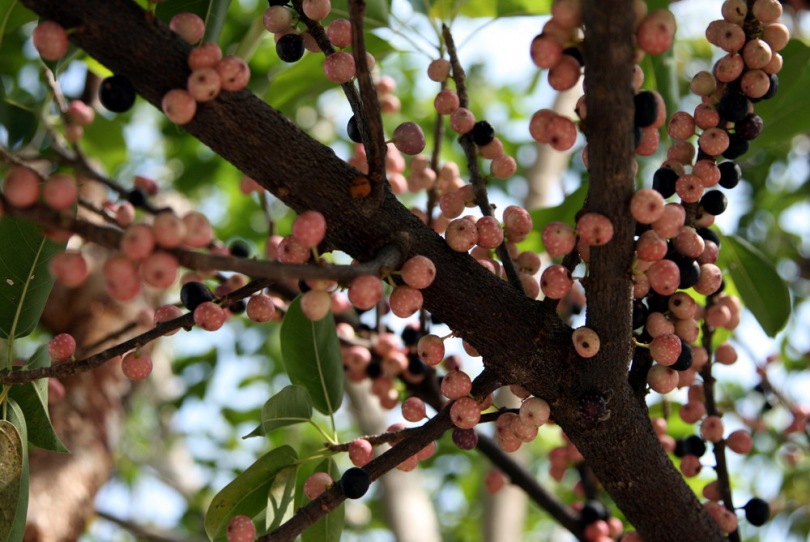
x=521, y=340
x=88, y=419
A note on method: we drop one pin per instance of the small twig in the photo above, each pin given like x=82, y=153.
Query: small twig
x=366, y=112
x=334, y=496
x=62, y=370
x=477, y=180
x=520, y=477
x=369, y=120
x=719, y=448
x=394, y=437
x=109, y=337
x=149, y=533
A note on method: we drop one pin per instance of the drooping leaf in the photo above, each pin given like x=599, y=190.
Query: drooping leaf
x=15, y=416
x=11, y=466
x=33, y=400
x=330, y=527
x=291, y=405
x=762, y=290
x=377, y=12
x=24, y=278
x=281, y=498
x=247, y=494
x=311, y=354
x=215, y=19
x=786, y=114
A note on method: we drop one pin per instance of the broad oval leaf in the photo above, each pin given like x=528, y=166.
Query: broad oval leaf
x=289, y=406
x=247, y=494
x=19, y=503
x=762, y=290
x=33, y=400
x=330, y=527
x=281, y=498
x=11, y=467
x=311, y=354
x=24, y=278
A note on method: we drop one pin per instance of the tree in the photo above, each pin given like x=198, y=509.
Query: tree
x=597, y=389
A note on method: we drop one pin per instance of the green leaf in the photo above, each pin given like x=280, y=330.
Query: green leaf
x=215, y=19
x=311, y=354
x=247, y=494
x=17, y=526
x=281, y=498
x=377, y=13
x=291, y=405
x=11, y=467
x=24, y=278
x=33, y=400
x=330, y=527
x=761, y=288
x=786, y=115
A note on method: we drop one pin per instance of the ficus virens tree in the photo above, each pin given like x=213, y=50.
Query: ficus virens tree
x=401, y=226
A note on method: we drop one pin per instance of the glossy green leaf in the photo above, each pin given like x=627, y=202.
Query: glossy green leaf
x=450, y=9
x=247, y=494
x=24, y=278
x=330, y=527
x=762, y=290
x=281, y=498
x=291, y=405
x=33, y=399
x=17, y=530
x=377, y=11
x=215, y=19
x=311, y=354
x=786, y=114
x=11, y=466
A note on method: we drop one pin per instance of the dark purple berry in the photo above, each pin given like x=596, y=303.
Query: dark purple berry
x=684, y=361
x=238, y=307
x=750, y=127
x=689, y=268
x=192, y=294
x=692, y=445
x=482, y=133
x=737, y=146
x=733, y=106
x=117, y=94
x=646, y=108
x=411, y=335
x=640, y=313
x=354, y=482
x=757, y=511
x=664, y=181
x=576, y=54
x=730, y=174
x=290, y=47
x=415, y=365
x=353, y=130
x=137, y=197
x=374, y=369
x=714, y=202
x=278, y=2
x=466, y=439
x=709, y=235
x=594, y=511
x=239, y=249
x=658, y=302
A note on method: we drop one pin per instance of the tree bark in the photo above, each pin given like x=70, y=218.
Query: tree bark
x=521, y=340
